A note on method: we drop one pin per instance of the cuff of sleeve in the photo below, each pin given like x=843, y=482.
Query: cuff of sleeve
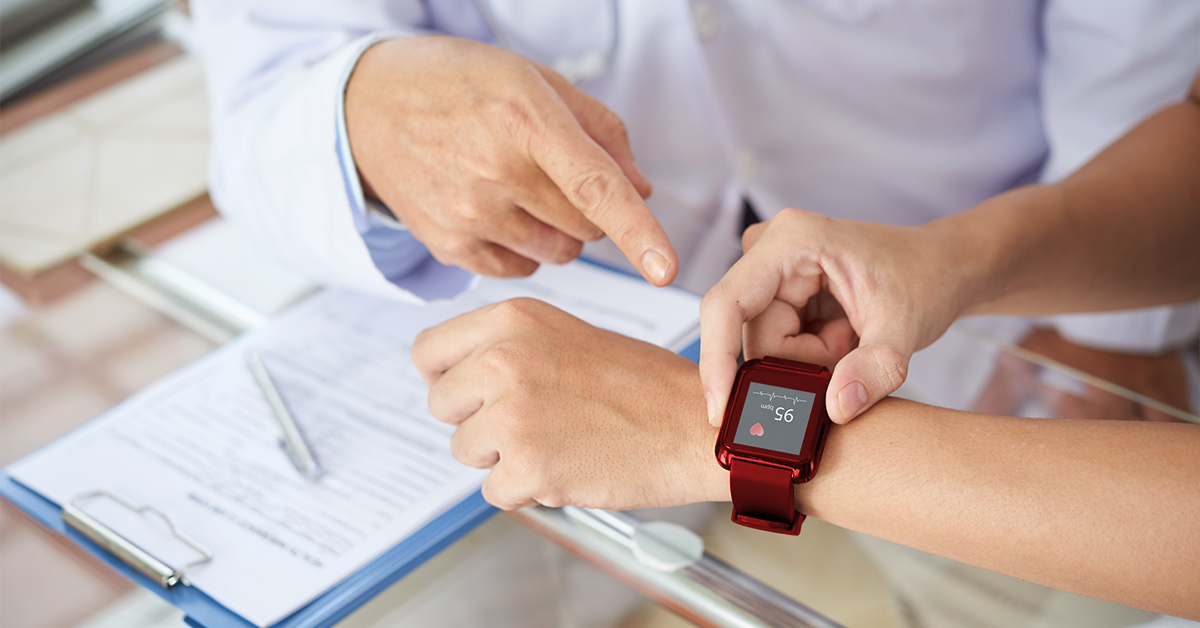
x=276, y=171
x=365, y=216
x=396, y=253
x=1147, y=331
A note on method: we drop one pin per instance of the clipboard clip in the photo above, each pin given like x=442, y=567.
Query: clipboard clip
x=128, y=552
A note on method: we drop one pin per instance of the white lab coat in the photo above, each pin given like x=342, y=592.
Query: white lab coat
x=896, y=111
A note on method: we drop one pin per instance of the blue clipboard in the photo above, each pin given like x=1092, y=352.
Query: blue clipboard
x=326, y=610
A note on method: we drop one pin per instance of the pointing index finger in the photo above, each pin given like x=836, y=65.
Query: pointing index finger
x=594, y=183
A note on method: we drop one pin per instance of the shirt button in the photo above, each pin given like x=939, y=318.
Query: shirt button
x=704, y=17
x=747, y=165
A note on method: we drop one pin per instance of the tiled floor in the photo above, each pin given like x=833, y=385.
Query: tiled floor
x=59, y=367
x=95, y=169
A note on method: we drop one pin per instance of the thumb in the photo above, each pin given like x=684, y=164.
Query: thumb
x=865, y=375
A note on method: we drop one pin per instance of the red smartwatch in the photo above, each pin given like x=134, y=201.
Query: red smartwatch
x=773, y=435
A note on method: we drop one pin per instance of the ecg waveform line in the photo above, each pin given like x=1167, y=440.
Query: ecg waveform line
x=773, y=397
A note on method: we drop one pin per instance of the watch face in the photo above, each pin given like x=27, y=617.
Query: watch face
x=775, y=418
x=776, y=414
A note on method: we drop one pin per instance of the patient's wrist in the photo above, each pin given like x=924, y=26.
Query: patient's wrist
x=954, y=270
x=1004, y=244
x=976, y=250
x=710, y=482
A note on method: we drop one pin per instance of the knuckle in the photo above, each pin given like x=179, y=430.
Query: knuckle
x=515, y=114
x=519, y=311
x=459, y=448
x=552, y=499
x=892, y=365
x=590, y=190
x=495, y=166
x=472, y=214
x=457, y=250
x=535, y=478
x=496, y=494
x=499, y=362
x=442, y=255
x=791, y=219
x=714, y=300
x=419, y=349
x=592, y=232
x=497, y=262
x=507, y=414
x=789, y=214
x=521, y=268
x=566, y=250
x=516, y=487
x=436, y=406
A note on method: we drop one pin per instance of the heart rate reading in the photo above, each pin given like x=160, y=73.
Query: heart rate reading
x=774, y=418
x=781, y=413
x=773, y=396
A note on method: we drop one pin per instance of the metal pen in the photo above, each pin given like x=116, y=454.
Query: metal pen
x=293, y=439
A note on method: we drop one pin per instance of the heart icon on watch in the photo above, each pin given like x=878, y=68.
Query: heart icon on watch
x=756, y=429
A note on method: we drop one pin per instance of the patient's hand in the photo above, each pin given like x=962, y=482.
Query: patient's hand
x=495, y=163
x=566, y=413
x=857, y=297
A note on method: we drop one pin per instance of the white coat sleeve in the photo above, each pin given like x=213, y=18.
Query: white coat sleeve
x=1108, y=65
x=280, y=166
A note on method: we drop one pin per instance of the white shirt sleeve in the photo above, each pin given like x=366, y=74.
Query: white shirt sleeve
x=1108, y=65
x=276, y=76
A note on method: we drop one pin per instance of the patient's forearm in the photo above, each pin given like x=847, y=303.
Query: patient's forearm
x=1122, y=232
x=1105, y=509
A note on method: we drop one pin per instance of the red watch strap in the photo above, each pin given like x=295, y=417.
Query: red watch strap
x=763, y=497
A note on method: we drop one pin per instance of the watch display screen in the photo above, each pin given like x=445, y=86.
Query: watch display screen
x=774, y=418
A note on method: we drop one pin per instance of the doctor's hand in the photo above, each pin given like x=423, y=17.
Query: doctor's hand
x=566, y=413
x=858, y=297
x=495, y=163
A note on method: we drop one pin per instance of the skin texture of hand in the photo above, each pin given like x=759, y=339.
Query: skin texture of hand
x=1161, y=377
x=832, y=292
x=565, y=413
x=495, y=163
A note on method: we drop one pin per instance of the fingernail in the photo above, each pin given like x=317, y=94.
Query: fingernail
x=851, y=400
x=655, y=265
x=712, y=405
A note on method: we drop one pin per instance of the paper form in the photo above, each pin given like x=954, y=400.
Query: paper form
x=202, y=446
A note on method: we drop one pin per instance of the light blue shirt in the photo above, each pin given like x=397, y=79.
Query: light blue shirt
x=402, y=259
